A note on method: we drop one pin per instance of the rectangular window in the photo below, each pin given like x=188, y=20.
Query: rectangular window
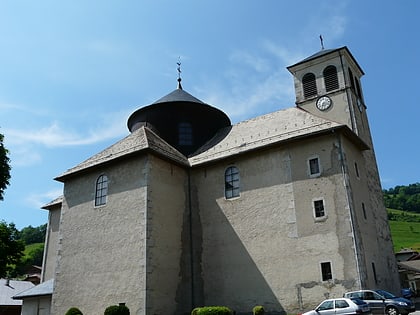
x=364, y=210
x=314, y=168
x=356, y=168
x=374, y=273
x=319, y=208
x=326, y=271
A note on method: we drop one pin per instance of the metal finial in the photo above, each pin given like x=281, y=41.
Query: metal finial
x=179, y=73
x=322, y=42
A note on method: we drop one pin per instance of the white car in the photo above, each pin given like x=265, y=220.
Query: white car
x=343, y=306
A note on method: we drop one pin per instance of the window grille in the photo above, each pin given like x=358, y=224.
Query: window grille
x=330, y=78
x=309, y=85
x=101, y=190
x=231, y=182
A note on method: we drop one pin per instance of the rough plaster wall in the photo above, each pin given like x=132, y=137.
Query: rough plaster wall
x=167, y=204
x=101, y=255
x=265, y=247
x=376, y=243
x=51, y=244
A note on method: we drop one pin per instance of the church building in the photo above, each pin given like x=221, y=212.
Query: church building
x=282, y=210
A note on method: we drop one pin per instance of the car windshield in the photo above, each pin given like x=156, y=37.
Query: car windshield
x=386, y=294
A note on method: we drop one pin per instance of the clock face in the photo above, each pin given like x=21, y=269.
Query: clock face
x=323, y=103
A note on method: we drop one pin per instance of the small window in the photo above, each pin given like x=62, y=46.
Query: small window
x=358, y=90
x=185, y=134
x=330, y=78
x=374, y=273
x=351, y=79
x=326, y=271
x=364, y=210
x=314, y=168
x=231, y=182
x=101, y=190
x=356, y=168
x=319, y=208
x=309, y=85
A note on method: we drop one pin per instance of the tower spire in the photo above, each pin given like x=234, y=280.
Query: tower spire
x=179, y=73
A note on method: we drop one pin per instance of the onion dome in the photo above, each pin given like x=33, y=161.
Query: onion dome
x=182, y=120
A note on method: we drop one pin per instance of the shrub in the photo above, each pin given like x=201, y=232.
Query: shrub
x=258, y=310
x=117, y=310
x=212, y=310
x=74, y=311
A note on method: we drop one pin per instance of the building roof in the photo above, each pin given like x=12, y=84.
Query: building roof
x=325, y=52
x=178, y=95
x=51, y=204
x=9, y=288
x=412, y=265
x=138, y=141
x=273, y=128
x=44, y=288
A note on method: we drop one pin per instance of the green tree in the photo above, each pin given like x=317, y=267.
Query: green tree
x=11, y=248
x=31, y=235
x=4, y=168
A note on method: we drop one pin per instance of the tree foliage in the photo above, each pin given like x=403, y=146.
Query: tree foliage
x=11, y=248
x=4, y=168
x=31, y=235
x=405, y=198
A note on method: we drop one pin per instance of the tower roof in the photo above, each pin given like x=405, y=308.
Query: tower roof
x=182, y=120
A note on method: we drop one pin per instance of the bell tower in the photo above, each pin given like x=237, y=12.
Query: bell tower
x=327, y=84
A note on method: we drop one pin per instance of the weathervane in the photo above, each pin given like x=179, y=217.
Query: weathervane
x=179, y=73
x=322, y=42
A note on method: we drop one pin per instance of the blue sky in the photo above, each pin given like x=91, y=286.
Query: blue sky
x=71, y=72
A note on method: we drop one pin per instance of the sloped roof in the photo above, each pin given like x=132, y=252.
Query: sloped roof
x=57, y=201
x=44, y=288
x=14, y=287
x=139, y=140
x=178, y=95
x=276, y=127
x=412, y=265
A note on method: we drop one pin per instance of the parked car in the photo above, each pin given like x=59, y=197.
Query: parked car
x=343, y=306
x=383, y=302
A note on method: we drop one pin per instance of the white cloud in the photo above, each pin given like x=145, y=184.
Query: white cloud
x=37, y=200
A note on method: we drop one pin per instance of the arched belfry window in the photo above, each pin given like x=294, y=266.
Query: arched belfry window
x=330, y=78
x=231, y=182
x=101, y=190
x=309, y=85
x=185, y=136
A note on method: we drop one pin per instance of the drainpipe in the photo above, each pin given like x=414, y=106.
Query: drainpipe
x=350, y=205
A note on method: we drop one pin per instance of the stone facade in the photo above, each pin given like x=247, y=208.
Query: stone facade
x=308, y=222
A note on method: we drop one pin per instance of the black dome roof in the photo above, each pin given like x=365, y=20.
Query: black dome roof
x=180, y=119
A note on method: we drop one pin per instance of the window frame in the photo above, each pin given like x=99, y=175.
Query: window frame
x=330, y=76
x=326, y=273
x=185, y=134
x=315, y=210
x=311, y=158
x=309, y=86
x=101, y=190
x=232, y=183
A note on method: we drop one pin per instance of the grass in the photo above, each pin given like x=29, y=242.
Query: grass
x=405, y=234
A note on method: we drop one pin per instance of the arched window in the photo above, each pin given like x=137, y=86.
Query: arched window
x=101, y=190
x=231, y=182
x=185, y=134
x=330, y=78
x=309, y=85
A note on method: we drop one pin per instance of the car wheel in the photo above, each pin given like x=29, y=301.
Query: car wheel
x=391, y=311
